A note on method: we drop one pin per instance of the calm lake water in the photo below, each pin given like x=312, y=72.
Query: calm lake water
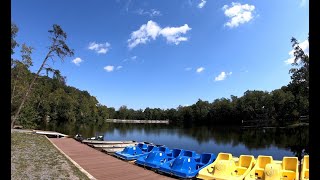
x=274, y=142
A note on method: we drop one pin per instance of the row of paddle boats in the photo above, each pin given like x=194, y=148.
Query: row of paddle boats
x=188, y=164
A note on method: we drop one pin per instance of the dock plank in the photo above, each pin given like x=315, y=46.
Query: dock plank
x=101, y=165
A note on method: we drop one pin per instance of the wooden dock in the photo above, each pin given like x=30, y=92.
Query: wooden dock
x=101, y=165
x=50, y=133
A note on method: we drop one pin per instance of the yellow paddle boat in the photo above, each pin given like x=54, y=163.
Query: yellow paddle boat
x=290, y=168
x=304, y=175
x=268, y=169
x=226, y=167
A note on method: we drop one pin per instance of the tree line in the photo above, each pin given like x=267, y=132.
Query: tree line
x=38, y=99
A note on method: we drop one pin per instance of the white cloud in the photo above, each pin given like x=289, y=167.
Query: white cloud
x=109, y=68
x=151, y=13
x=238, y=14
x=222, y=76
x=200, y=69
x=134, y=57
x=102, y=48
x=77, y=61
x=289, y=61
x=304, y=46
x=173, y=34
x=152, y=30
x=144, y=34
x=119, y=67
x=202, y=3
x=188, y=68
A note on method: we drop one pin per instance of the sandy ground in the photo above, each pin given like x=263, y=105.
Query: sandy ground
x=34, y=157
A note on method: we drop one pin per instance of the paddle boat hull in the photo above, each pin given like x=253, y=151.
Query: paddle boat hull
x=268, y=169
x=131, y=153
x=187, y=165
x=155, y=158
x=206, y=172
x=226, y=167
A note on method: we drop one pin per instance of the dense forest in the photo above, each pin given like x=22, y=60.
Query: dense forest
x=45, y=99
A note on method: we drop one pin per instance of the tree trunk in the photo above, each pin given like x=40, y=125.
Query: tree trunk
x=15, y=117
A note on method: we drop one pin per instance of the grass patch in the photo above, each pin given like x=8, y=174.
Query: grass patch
x=34, y=157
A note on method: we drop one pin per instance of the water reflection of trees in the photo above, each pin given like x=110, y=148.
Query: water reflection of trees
x=294, y=139
x=85, y=130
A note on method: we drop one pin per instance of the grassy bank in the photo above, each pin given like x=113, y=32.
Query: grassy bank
x=34, y=157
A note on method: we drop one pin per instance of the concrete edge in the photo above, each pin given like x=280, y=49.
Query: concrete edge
x=76, y=164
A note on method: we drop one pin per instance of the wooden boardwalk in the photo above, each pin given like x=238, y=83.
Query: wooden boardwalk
x=103, y=166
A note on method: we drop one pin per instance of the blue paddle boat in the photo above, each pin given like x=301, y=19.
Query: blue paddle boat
x=156, y=158
x=187, y=165
x=130, y=153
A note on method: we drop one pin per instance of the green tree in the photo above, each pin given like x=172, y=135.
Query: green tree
x=283, y=103
x=123, y=112
x=57, y=48
x=111, y=113
x=14, y=31
x=221, y=109
x=200, y=111
x=299, y=84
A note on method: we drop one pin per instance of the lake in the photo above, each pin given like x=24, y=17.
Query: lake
x=275, y=142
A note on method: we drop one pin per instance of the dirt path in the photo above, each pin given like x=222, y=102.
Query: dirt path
x=34, y=157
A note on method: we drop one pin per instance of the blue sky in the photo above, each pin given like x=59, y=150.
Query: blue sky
x=166, y=53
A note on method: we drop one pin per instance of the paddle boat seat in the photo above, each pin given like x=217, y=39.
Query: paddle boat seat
x=185, y=165
x=286, y=170
x=142, y=146
x=155, y=158
x=204, y=160
x=244, y=165
x=290, y=170
x=174, y=153
x=258, y=170
x=304, y=174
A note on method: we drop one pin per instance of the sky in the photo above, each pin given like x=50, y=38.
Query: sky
x=166, y=53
